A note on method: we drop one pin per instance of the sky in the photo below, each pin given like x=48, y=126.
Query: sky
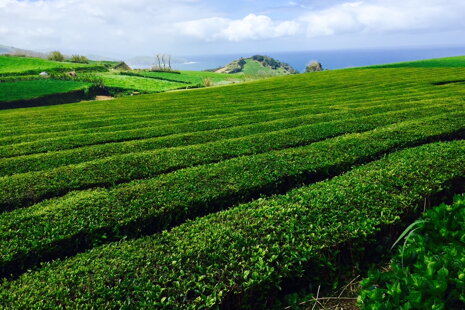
x=202, y=27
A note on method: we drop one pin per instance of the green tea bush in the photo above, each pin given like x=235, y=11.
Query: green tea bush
x=428, y=271
x=155, y=128
x=245, y=126
x=80, y=219
x=239, y=258
x=21, y=190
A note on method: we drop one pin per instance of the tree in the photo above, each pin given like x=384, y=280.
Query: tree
x=56, y=56
x=79, y=59
x=164, y=63
x=314, y=66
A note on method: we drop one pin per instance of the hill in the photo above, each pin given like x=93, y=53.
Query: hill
x=448, y=62
x=257, y=65
x=30, y=65
x=19, y=51
x=235, y=197
x=28, y=88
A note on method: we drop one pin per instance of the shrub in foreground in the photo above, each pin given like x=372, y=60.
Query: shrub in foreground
x=428, y=271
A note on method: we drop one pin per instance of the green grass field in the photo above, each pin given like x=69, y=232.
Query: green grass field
x=450, y=62
x=26, y=65
x=24, y=90
x=220, y=197
x=192, y=78
x=18, y=69
x=138, y=83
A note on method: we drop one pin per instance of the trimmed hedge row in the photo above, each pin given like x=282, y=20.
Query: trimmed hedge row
x=126, y=125
x=53, y=99
x=86, y=68
x=245, y=96
x=159, y=128
x=129, y=73
x=21, y=190
x=205, y=105
x=236, y=258
x=50, y=160
x=164, y=129
x=83, y=219
x=134, y=121
x=138, y=119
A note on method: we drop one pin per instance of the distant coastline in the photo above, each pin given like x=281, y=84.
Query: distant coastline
x=331, y=59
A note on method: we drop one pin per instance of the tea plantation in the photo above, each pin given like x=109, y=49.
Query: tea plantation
x=21, y=84
x=230, y=197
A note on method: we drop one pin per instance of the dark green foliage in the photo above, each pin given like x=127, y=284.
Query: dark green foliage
x=254, y=123
x=15, y=91
x=238, y=257
x=21, y=190
x=144, y=164
x=153, y=205
x=428, y=271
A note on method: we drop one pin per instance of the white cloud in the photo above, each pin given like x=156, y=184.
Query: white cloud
x=251, y=27
x=122, y=27
x=382, y=16
x=369, y=16
x=94, y=25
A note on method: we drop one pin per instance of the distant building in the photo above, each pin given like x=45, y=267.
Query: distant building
x=44, y=74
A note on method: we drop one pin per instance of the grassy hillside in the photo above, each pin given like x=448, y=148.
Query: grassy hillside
x=257, y=65
x=99, y=73
x=450, y=62
x=221, y=197
x=14, y=91
x=135, y=83
x=255, y=68
x=26, y=65
x=191, y=78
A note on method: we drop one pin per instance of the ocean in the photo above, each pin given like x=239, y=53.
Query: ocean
x=331, y=59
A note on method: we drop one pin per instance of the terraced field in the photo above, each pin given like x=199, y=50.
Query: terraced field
x=190, y=78
x=21, y=85
x=13, y=91
x=27, y=65
x=136, y=83
x=228, y=197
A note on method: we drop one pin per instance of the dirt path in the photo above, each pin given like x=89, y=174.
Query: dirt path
x=103, y=98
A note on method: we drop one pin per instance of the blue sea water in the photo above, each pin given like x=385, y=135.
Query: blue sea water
x=331, y=59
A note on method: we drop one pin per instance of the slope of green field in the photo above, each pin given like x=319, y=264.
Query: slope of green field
x=23, y=90
x=193, y=78
x=240, y=257
x=255, y=68
x=452, y=62
x=136, y=83
x=77, y=176
x=25, y=65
